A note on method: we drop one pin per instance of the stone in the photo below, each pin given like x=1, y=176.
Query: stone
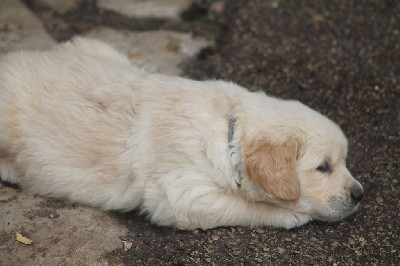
x=265, y=248
x=281, y=251
x=20, y=29
x=214, y=237
x=148, y=8
x=379, y=199
x=260, y=231
x=78, y=236
x=59, y=6
x=154, y=51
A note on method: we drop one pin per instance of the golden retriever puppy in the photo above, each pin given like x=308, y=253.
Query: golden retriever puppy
x=80, y=122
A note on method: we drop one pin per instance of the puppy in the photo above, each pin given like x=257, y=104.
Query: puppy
x=80, y=122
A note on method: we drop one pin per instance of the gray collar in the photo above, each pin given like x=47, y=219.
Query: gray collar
x=231, y=131
x=234, y=151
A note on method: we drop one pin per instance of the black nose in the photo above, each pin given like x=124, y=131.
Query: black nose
x=357, y=194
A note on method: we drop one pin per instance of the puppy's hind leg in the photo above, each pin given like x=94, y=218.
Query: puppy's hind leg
x=8, y=174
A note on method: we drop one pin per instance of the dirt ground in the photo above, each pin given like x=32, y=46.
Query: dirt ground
x=340, y=58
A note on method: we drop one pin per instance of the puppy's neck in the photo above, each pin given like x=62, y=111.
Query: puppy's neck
x=244, y=185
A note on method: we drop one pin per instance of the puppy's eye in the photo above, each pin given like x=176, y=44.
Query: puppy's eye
x=324, y=168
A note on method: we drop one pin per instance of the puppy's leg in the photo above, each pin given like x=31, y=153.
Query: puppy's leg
x=7, y=172
x=189, y=202
x=221, y=209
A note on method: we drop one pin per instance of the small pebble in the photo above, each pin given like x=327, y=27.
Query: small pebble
x=281, y=251
x=260, y=231
x=214, y=237
x=379, y=199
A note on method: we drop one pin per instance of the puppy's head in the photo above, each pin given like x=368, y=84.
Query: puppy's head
x=296, y=157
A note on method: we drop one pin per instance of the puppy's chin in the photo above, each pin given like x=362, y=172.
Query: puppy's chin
x=337, y=209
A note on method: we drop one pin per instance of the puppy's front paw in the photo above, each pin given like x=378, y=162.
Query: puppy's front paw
x=296, y=220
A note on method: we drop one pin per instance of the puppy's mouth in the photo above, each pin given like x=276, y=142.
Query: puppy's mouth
x=338, y=209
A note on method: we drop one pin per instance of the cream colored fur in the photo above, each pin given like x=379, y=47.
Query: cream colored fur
x=80, y=122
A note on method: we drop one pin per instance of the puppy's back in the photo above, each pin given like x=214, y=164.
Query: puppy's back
x=55, y=137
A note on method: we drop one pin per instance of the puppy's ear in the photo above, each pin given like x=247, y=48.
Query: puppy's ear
x=273, y=167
